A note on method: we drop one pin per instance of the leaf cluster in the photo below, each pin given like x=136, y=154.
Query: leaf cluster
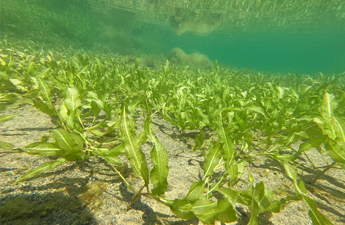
x=249, y=115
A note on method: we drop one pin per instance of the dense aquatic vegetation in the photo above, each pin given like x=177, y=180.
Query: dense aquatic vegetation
x=249, y=115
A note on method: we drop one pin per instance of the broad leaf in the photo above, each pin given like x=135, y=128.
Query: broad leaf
x=195, y=191
x=70, y=144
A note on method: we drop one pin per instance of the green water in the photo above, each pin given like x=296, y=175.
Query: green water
x=304, y=37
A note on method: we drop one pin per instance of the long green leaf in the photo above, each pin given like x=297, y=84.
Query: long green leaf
x=6, y=146
x=42, y=149
x=159, y=173
x=199, y=141
x=41, y=169
x=212, y=159
x=315, y=215
x=131, y=143
x=45, y=93
x=4, y=118
x=336, y=150
x=229, y=151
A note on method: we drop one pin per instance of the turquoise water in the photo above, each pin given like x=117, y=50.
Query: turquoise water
x=304, y=37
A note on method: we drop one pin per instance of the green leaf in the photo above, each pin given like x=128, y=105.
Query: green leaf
x=232, y=196
x=131, y=143
x=43, y=107
x=199, y=141
x=97, y=133
x=229, y=151
x=17, y=83
x=111, y=156
x=336, y=150
x=257, y=109
x=290, y=170
x=72, y=102
x=254, y=212
x=42, y=149
x=45, y=93
x=41, y=169
x=260, y=195
x=212, y=159
x=315, y=215
x=181, y=208
x=6, y=146
x=313, y=143
x=63, y=112
x=225, y=212
x=4, y=118
x=195, y=191
x=235, y=170
x=70, y=144
x=159, y=173
x=326, y=107
x=96, y=107
x=205, y=210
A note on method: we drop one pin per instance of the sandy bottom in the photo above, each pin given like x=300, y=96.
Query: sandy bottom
x=55, y=197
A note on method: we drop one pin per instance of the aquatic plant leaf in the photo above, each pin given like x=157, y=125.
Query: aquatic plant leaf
x=315, y=215
x=6, y=146
x=199, y=141
x=232, y=196
x=70, y=144
x=257, y=109
x=111, y=156
x=42, y=149
x=41, y=169
x=312, y=143
x=290, y=170
x=205, y=210
x=43, y=107
x=260, y=196
x=225, y=211
x=182, y=209
x=17, y=83
x=339, y=127
x=159, y=173
x=63, y=112
x=195, y=191
x=4, y=118
x=254, y=212
x=229, y=151
x=131, y=144
x=235, y=170
x=72, y=102
x=336, y=150
x=96, y=107
x=212, y=159
x=326, y=107
x=45, y=93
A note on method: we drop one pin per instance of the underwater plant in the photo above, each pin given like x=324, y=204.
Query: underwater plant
x=251, y=116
